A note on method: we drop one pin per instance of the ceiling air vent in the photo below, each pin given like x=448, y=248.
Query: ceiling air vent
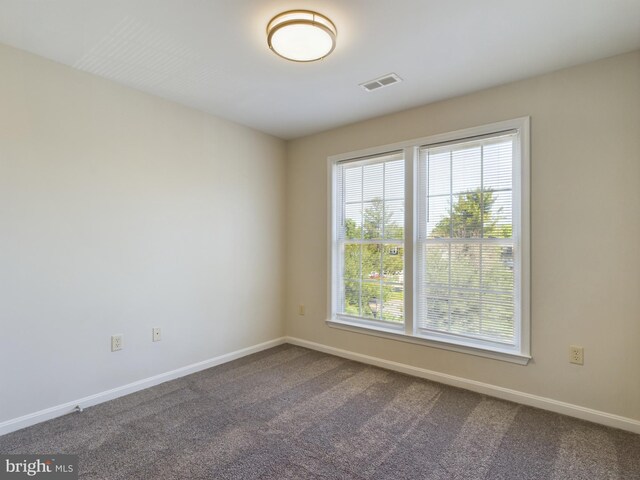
x=381, y=82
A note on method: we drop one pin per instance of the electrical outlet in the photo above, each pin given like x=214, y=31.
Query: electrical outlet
x=156, y=334
x=301, y=309
x=116, y=343
x=576, y=354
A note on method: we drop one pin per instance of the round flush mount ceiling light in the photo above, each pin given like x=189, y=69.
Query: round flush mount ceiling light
x=301, y=35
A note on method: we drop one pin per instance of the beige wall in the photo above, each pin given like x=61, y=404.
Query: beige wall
x=585, y=206
x=119, y=212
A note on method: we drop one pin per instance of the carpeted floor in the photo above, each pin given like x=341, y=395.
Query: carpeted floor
x=292, y=413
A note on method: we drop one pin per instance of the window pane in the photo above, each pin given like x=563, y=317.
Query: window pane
x=371, y=257
x=392, y=283
x=351, y=298
x=372, y=221
x=393, y=303
x=353, y=184
x=466, y=215
x=371, y=301
x=383, y=292
x=436, y=264
x=394, y=180
x=465, y=313
x=437, y=311
x=439, y=174
x=497, y=165
x=465, y=265
x=466, y=169
x=394, y=219
x=393, y=264
x=497, y=216
x=497, y=317
x=353, y=221
x=497, y=268
x=372, y=178
x=351, y=261
x=438, y=217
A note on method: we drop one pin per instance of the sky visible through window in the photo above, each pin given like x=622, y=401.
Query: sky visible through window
x=453, y=173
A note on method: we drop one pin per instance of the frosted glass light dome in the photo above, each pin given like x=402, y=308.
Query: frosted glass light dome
x=301, y=35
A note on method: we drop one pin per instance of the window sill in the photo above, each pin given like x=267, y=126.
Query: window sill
x=395, y=334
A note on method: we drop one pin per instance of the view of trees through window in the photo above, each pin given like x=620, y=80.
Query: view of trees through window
x=466, y=253
x=372, y=256
x=468, y=287
x=461, y=219
x=373, y=272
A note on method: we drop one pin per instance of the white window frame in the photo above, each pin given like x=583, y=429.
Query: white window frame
x=521, y=352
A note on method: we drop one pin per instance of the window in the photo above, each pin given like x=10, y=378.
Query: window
x=371, y=238
x=429, y=241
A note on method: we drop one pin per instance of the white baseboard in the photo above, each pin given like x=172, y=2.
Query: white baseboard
x=59, y=410
x=544, y=403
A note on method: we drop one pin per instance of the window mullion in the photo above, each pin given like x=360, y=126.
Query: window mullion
x=360, y=306
x=450, y=236
x=410, y=159
x=481, y=295
x=383, y=237
x=360, y=312
x=380, y=278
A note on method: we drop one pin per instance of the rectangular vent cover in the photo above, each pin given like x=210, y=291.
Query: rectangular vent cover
x=381, y=82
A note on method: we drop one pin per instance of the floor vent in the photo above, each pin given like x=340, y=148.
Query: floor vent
x=381, y=82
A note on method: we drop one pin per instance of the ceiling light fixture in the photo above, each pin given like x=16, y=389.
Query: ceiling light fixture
x=301, y=35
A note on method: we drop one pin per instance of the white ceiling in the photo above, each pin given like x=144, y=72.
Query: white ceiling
x=212, y=54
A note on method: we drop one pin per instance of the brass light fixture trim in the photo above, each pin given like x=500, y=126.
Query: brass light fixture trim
x=301, y=35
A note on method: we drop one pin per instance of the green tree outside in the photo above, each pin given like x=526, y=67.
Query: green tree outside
x=373, y=266
x=472, y=216
x=481, y=277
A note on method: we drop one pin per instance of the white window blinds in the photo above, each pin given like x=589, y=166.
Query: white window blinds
x=370, y=238
x=467, y=247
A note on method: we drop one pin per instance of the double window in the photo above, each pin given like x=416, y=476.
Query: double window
x=429, y=241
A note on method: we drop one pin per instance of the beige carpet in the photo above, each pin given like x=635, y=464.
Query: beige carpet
x=292, y=413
